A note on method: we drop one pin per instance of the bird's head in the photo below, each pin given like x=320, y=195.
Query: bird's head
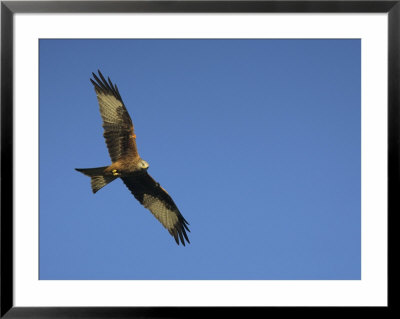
x=143, y=164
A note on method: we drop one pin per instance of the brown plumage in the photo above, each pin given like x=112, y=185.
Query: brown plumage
x=127, y=164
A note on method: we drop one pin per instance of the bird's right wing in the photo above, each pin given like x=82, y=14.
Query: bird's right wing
x=152, y=196
x=118, y=128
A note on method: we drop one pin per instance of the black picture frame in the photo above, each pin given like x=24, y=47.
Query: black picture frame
x=9, y=8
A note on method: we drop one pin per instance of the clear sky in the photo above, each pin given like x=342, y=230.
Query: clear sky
x=257, y=142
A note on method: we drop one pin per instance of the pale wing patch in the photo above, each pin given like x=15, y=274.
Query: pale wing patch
x=112, y=110
x=167, y=217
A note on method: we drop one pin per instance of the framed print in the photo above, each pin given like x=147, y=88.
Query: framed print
x=250, y=160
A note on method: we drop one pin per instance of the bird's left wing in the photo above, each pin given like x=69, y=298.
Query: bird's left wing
x=152, y=196
x=117, y=124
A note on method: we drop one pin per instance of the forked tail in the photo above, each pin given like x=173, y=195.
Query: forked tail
x=97, y=179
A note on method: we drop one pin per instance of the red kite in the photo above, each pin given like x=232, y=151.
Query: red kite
x=128, y=165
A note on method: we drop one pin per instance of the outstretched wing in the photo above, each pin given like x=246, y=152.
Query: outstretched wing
x=152, y=196
x=117, y=124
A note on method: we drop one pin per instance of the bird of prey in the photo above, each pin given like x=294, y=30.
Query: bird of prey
x=127, y=164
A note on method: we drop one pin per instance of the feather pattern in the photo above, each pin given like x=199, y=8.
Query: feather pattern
x=117, y=124
x=152, y=196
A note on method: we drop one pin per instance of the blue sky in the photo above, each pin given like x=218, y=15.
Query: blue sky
x=257, y=142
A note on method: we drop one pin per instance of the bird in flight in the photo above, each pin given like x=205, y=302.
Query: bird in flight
x=128, y=165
